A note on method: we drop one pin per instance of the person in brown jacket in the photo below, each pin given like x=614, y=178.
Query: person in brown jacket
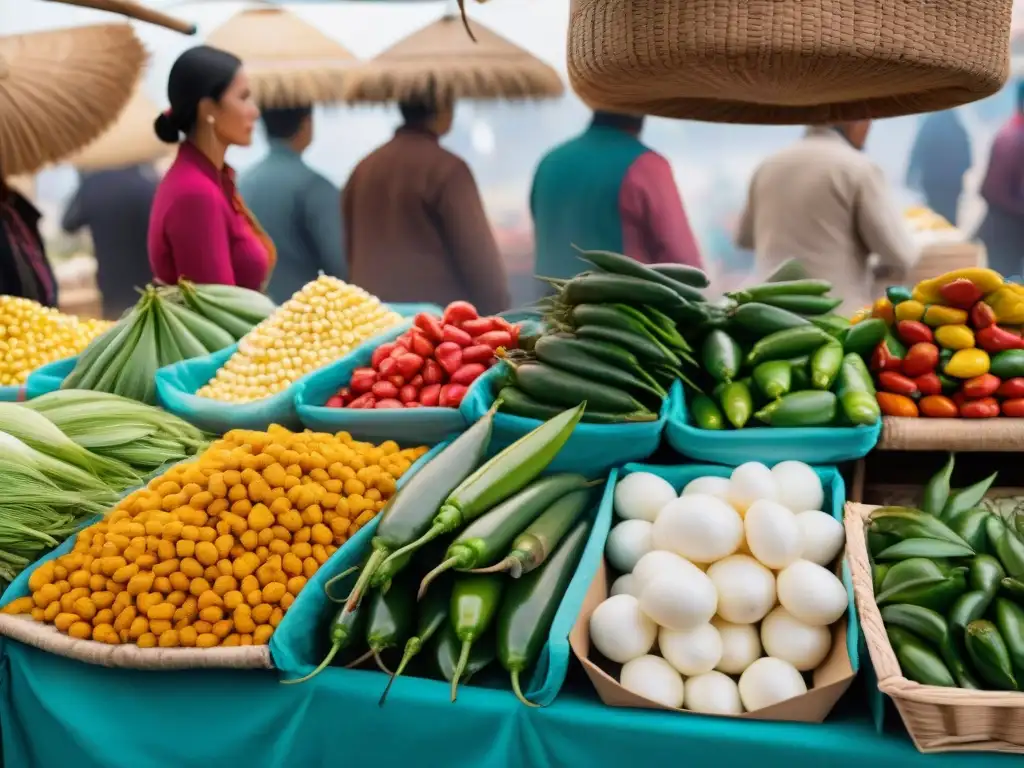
x=415, y=227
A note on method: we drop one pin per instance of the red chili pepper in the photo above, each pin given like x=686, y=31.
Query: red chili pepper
x=422, y=346
x=364, y=401
x=414, y=404
x=387, y=366
x=897, y=383
x=430, y=394
x=381, y=353
x=929, y=384
x=408, y=393
x=451, y=395
x=961, y=293
x=986, y=408
x=996, y=339
x=430, y=326
x=362, y=379
x=479, y=326
x=458, y=312
x=921, y=358
x=1014, y=408
x=896, y=405
x=884, y=360
x=1012, y=388
x=913, y=332
x=449, y=357
x=981, y=386
x=389, y=402
x=402, y=344
x=982, y=316
x=468, y=373
x=938, y=407
x=417, y=380
x=457, y=335
x=494, y=339
x=409, y=364
x=478, y=353
x=383, y=389
x=432, y=372
x=396, y=379
x=335, y=401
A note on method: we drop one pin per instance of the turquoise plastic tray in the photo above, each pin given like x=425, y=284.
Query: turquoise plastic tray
x=835, y=500
x=592, y=449
x=49, y=377
x=813, y=445
x=295, y=648
x=10, y=394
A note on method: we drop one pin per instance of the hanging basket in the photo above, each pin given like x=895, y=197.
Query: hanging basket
x=787, y=61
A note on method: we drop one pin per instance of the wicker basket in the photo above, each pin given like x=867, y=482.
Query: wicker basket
x=787, y=61
x=938, y=719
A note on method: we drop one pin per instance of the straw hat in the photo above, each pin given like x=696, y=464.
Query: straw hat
x=442, y=61
x=135, y=10
x=129, y=141
x=289, y=62
x=787, y=61
x=60, y=90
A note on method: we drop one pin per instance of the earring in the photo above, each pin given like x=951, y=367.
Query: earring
x=210, y=120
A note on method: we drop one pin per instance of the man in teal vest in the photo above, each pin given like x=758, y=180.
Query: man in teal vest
x=606, y=190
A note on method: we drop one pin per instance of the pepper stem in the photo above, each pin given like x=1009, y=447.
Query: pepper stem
x=426, y=538
x=377, y=557
x=380, y=663
x=519, y=692
x=365, y=657
x=323, y=665
x=412, y=647
x=347, y=572
x=448, y=564
x=460, y=667
x=504, y=565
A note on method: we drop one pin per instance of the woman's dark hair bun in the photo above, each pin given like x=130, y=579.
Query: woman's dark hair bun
x=199, y=73
x=166, y=130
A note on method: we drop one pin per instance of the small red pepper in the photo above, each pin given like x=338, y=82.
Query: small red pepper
x=387, y=366
x=986, y=408
x=389, y=402
x=1014, y=408
x=409, y=364
x=459, y=312
x=430, y=394
x=897, y=383
x=384, y=389
x=896, y=405
x=913, y=332
x=494, y=339
x=422, y=346
x=981, y=386
x=451, y=395
x=362, y=379
x=430, y=326
x=335, y=401
x=1012, y=388
x=364, y=401
x=417, y=380
x=449, y=357
x=921, y=358
x=402, y=344
x=414, y=405
x=996, y=339
x=884, y=360
x=432, y=372
x=478, y=326
x=938, y=407
x=961, y=293
x=468, y=373
x=982, y=316
x=457, y=335
x=381, y=353
x=929, y=384
x=478, y=353
x=408, y=393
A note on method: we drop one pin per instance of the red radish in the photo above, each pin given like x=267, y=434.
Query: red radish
x=479, y=326
x=457, y=335
x=413, y=405
x=362, y=380
x=408, y=393
x=451, y=395
x=389, y=402
x=380, y=353
x=478, y=353
x=409, y=364
x=449, y=357
x=344, y=393
x=384, y=389
x=417, y=380
x=421, y=346
x=335, y=401
x=388, y=366
x=398, y=381
x=430, y=326
x=494, y=339
x=459, y=312
x=468, y=373
x=403, y=346
x=364, y=401
x=432, y=372
x=429, y=394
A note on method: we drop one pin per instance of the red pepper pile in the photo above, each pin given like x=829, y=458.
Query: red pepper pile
x=431, y=364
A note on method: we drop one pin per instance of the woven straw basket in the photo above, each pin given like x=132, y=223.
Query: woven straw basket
x=938, y=719
x=787, y=61
x=1000, y=435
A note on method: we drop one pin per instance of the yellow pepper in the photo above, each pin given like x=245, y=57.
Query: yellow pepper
x=986, y=280
x=883, y=310
x=967, y=363
x=936, y=315
x=1008, y=304
x=954, y=336
x=909, y=310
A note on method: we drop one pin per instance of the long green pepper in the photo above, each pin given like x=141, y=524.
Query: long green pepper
x=432, y=615
x=474, y=603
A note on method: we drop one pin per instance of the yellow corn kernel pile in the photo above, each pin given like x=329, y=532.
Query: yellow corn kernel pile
x=32, y=335
x=321, y=323
x=215, y=550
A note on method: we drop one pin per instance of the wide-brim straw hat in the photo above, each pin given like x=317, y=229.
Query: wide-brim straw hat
x=129, y=141
x=60, y=90
x=289, y=62
x=442, y=63
x=787, y=61
x=137, y=11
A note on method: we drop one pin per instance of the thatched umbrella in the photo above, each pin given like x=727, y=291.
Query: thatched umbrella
x=442, y=62
x=59, y=90
x=129, y=141
x=289, y=62
x=135, y=10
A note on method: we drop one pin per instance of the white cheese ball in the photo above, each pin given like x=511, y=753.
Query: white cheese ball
x=620, y=631
x=641, y=496
x=691, y=651
x=713, y=694
x=699, y=527
x=653, y=678
x=769, y=681
x=812, y=594
x=746, y=589
x=741, y=646
x=627, y=543
x=821, y=537
x=789, y=639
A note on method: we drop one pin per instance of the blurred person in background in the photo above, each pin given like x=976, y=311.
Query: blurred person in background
x=939, y=158
x=24, y=270
x=1002, y=229
x=296, y=205
x=115, y=204
x=415, y=226
x=606, y=190
x=199, y=228
x=823, y=202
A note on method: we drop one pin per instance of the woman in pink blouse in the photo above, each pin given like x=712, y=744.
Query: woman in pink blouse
x=199, y=227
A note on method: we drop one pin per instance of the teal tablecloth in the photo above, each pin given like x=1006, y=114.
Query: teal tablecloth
x=119, y=719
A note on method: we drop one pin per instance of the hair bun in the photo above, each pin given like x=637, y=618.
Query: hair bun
x=166, y=130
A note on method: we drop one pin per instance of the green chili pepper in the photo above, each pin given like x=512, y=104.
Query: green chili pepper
x=706, y=413
x=990, y=655
x=969, y=607
x=810, y=408
x=530, y=606
x=879, y=541
x=433, y=615
x=907, y=523
x=504, y=474
x=861, y=408
x=914, y=618
x=390, y=620
x=1013, y=588
x=968, y=497
x=343, y=629
x=917, y=661
x=800, y=367
x=475, y=601
x=791, y=342
x=825, y=364
x=488, y=537
x=721, y=355
x=737, y=403
x=985, y=574
x=446, y=650
x=1008, y=548
x=970, y=526
x=408, y=514
x=937, y=594
x=909, y=570
x=936, y=492
x=773, y=378
x=924, y=548
x=1010, y=621
x=895, y=346
x=949, y=384
x=878, y=573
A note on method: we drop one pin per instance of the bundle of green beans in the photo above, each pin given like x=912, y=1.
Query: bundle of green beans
x=614, y=341
x=452, y=544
